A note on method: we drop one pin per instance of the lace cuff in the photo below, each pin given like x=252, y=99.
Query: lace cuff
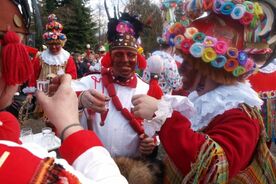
x=166, y=106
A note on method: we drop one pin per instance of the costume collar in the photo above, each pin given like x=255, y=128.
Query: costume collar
x=58, y=59
x=219, y=100
x=131, y=82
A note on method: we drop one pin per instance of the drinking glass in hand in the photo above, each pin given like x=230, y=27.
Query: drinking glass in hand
x=43, y=85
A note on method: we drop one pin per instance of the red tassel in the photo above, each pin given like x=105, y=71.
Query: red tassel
x=106, y=60
x=142, y=63
x=16, y=64
x=154, y=89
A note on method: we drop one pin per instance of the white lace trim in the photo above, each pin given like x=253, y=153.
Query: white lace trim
x=58, y=59
x=219, y=100
x=166, y=106
x=270, y=68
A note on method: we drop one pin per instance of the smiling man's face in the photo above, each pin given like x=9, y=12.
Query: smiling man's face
x=123, y=62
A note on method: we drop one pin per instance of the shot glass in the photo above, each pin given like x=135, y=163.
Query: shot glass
x=43, y=85
x=48, y=137
x=26, y=134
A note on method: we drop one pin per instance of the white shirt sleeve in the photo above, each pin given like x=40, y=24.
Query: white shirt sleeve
x=97, y=164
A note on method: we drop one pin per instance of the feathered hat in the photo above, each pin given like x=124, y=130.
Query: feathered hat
x=53, y=33
x=123, y=32
x=15, y=67
x=221, y=38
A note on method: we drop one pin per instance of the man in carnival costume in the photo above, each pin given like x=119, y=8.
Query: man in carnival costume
x=20, y=164
x=224, y=142
x=121, y=133
x=54, y=60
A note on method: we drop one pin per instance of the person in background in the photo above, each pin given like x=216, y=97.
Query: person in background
x=102, y=51
x=225, y=141
x=54, y=60
x=20, y=164
x=95, y=66
x=81, y=66
x=261, y=82
x=169, y=78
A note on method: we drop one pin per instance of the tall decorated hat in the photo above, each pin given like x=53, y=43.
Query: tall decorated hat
x=53, y=34
x=225, y=35
x=123, y=32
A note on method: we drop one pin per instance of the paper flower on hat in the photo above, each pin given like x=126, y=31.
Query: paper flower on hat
x=215, y=52
x=54, y=37
x=124, y=27
x=236, y=9
x=257, y=18
x=169, y=34
x=124, y=32
x=53, y=31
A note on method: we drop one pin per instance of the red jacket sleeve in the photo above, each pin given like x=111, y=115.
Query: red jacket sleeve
x=71, y=68
x=77, y=143
x=234, y=131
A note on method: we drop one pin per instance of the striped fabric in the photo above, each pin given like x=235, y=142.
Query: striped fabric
x=269, y=113
x=211, y=165
x=262, y=169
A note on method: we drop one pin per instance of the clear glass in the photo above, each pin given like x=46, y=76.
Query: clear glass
x=26, y=134
x=48, y=137
x=43, y=85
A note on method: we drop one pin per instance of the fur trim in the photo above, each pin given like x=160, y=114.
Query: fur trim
x=138, y=171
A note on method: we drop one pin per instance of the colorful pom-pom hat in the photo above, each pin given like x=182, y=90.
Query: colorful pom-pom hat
x=225, y=35
x=123, y=32
x=53, y=34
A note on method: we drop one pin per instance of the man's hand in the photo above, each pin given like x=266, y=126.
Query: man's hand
x=147, y=145
x=93, y=100
x=144, y=106
x=62, y=108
